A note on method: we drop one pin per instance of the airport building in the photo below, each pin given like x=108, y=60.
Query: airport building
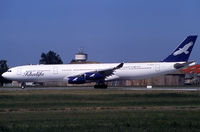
x=192, y=75
x=173, y=79
x=80, y=57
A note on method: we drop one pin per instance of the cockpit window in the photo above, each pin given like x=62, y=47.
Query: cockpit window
x=9, y=71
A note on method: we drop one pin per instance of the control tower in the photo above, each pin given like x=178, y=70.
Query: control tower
x=81, y=56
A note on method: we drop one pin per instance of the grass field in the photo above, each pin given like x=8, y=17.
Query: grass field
x=99, y=110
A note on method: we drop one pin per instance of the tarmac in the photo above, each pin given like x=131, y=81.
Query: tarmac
x=109, y=88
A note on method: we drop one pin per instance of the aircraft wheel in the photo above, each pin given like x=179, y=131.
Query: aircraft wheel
x=23, y=85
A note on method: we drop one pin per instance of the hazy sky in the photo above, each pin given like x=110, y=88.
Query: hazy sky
x=108, y=30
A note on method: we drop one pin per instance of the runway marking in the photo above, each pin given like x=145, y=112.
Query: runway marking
x=99, y=108
x=111, y=88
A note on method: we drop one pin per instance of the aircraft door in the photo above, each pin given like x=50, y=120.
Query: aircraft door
x=55, y=70
x=157, y=67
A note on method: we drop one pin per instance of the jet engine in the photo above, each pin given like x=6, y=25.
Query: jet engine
x=93, y=76
x=76, y=80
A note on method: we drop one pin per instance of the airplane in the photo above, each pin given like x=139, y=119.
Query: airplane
x=101, y=73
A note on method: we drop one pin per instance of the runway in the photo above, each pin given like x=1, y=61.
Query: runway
x=109, y=88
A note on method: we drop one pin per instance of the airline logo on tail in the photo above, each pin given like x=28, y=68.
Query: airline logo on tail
x=183, y=50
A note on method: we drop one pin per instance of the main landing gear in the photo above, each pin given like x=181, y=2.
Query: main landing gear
x=23, y=85
x=100, y=85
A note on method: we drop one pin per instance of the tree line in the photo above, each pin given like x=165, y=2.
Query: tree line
x=46, y=58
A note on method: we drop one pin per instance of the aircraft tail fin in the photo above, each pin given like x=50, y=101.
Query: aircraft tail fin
x=182, y=52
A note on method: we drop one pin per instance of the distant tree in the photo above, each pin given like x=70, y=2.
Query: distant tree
x=50, y=58
x=3, y=68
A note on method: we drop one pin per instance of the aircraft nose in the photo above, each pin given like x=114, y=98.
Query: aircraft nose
x=5, y=75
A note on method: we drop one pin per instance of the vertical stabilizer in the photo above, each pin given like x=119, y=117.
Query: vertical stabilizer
x=183, y=51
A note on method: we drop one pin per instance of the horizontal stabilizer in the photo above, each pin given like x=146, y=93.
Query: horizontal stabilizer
x=183, y=65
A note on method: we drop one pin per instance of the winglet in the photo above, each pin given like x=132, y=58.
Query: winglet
x=182, y=52
x=119, y=66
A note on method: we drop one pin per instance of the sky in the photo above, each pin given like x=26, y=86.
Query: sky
x=108, y=30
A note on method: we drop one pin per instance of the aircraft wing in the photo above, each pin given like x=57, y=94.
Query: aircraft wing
x=109, y=72
x=102, y=73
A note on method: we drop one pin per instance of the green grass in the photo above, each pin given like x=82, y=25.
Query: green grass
x=102, y=121
x=99, y=110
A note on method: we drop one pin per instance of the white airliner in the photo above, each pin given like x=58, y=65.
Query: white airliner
x=100, y=73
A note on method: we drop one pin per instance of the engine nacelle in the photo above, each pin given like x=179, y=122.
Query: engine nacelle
x=93, y=76
x=76, y=80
